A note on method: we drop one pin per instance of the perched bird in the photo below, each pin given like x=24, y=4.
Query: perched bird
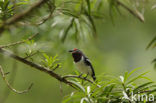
x=82, y=62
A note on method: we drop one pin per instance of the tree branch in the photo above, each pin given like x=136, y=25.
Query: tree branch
x=14, y=90
x=11, y=81
x=36, y=66
x=32, y=54
x=21, y=15
x=51, y=7
x=75, y=76
x=19, y=42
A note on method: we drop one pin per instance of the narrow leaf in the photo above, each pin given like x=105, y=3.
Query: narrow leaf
x=79, y=86
x=132, y=80
x=150, y=44
x=142, y=86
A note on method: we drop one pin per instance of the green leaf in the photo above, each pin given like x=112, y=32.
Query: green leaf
x=148, y=88
x=108, y=90
x=88, y=5
x=69, y=13
x=46, y=56
x=6, y=3
x=79, y=86
x=125, y=77
x=141, y=75
x=21, y=3
x=1, y=4
x=144, y=77
x=103, y=86
x=99, y=4
x=151, y=43
x=142, y=86
x=112, y=6
x=65, y=32
x=152, y=91
x=51, y=62
x=92, y=23
x=134, y=70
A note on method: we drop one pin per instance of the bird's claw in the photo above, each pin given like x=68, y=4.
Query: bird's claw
x=80, y=75
x=85, y=77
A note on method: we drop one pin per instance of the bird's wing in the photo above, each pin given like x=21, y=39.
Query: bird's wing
x=88, y=63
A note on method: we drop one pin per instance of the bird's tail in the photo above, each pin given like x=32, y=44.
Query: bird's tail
x=94, y=78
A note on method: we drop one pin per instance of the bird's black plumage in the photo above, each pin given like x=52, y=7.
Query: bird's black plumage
x=77, y=56
x=88, y=63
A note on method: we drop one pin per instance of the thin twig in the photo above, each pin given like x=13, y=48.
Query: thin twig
x=134, y=13
x=11, y=81
x=32, y=54
x=51, y=7
x=13, y=89
x=19, y=42
x=75, y=76
x=57, y=66
x=21, y=15
x=6, y=73
x=45, y=19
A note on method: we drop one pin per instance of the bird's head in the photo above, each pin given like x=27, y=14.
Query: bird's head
x=76, y=53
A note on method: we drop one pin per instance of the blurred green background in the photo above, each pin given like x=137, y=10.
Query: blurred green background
x=119, y=47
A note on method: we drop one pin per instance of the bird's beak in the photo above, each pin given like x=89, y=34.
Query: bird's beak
x=70, y=51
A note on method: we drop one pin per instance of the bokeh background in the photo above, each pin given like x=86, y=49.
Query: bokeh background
x=119, y=47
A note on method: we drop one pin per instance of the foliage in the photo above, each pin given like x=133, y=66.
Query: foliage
x=72, y=20
x=7, y=8
x=76, y=18
x=152, y=44
x=115, y=90
x=51, y=62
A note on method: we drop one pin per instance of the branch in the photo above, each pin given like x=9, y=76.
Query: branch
x=21, y=15
x=6, y=73
x=57, y=66
x=51, y=7
x=14, y=90
x=11, y=81
x=134, y=13
x=19, y=42
x=75, y=76
x=32, y=54
x=36, y=66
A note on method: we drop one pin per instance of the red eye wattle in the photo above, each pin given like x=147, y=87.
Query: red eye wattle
x=75, y=49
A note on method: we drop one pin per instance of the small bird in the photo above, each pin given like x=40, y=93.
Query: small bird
x=82, y=62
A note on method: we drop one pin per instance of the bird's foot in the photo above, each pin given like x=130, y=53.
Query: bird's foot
x=86, y=76
x=80, y=75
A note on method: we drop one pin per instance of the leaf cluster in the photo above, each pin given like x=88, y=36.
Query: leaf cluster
x=51, y=62
x=112, y=89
